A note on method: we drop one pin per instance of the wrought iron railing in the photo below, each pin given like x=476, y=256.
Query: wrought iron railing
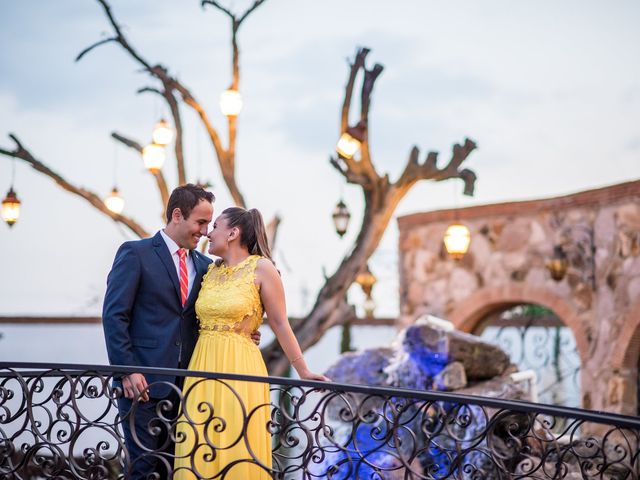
x=61, y=421
x=543, y=344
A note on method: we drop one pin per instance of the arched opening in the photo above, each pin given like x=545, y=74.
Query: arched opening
x=494, y=301
x=626, y=361
x=536, y=339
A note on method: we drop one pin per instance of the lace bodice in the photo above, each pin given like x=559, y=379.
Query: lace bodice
x=229, y=300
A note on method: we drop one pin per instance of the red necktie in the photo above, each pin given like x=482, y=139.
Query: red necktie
x=184, y=276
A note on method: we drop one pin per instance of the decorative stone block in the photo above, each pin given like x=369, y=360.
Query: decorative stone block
x=452, y=377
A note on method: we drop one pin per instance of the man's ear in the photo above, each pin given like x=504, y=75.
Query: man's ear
x=176, y=215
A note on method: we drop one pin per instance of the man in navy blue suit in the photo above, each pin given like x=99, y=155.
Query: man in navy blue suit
x=149, y=320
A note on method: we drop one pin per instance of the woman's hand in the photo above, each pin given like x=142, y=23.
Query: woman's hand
x=314, y=376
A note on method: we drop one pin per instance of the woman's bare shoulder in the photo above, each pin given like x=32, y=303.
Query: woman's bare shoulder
x=264, y=266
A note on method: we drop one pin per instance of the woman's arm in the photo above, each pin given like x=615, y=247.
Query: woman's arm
x=272, y=295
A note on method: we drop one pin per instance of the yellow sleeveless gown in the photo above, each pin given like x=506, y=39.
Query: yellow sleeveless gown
x=214, y=446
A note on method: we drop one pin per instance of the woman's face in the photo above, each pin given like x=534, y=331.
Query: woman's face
x=219, y=236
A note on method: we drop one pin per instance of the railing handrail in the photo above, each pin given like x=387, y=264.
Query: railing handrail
x=619, y=420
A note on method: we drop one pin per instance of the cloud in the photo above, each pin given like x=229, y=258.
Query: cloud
x=548, y=90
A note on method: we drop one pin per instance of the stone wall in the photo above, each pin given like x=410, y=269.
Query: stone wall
x=599, y=298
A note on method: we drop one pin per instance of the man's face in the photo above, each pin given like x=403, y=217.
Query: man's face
x=189, y=230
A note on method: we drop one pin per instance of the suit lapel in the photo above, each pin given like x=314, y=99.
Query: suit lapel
x=163, y=252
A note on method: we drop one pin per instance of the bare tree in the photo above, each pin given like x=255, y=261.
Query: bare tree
x=171, y=90
x=381, y=196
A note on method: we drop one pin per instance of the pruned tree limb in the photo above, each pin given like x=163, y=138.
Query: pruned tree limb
x=415, y=171
x=22, y=153
x=362, y=170
x=354, y=67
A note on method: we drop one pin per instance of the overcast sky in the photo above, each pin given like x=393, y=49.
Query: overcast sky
x=549, y=90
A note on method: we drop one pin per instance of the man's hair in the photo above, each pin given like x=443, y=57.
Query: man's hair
x=186, y=197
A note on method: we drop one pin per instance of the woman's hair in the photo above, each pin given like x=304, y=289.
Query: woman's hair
x=253, y=233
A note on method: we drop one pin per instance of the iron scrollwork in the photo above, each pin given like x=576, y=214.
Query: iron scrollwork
x=62, y=421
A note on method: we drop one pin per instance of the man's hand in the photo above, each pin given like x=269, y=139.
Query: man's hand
x=255, y=336
x=135, y=384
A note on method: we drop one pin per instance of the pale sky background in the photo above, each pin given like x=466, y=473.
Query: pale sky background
x=549, y=90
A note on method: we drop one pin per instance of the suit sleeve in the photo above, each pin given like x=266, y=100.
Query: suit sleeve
x=122, y=288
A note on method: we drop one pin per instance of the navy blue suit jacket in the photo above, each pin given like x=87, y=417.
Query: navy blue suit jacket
x=143, y=318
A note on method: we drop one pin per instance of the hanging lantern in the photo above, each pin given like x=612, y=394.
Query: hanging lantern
x=11, y=208
x=558, y=263
x=366, y=280
x=114, y=201
x=369, y=307
x=457, y=240
x=153, y=156
x=230, y=102
x=350, y=141
x=341, y=218
x=162, y=133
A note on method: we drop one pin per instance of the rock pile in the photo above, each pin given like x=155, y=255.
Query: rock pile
x=430, y=356
x=380, y=437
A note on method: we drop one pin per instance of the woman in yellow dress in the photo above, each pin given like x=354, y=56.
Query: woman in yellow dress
x=223, y=431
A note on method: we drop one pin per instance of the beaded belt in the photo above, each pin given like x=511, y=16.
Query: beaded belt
x=218, y=327
x=207, y=330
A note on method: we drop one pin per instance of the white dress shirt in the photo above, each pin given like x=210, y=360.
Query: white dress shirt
x=173, y=249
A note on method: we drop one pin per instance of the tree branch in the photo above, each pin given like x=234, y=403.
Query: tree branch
x=370, y=77
x=381, y=199
x=255, y=5
x=357, y=64
x=350, y=170
x=414, y=171
x=161, y=74
x=362, y=169
x=128, y=142
x=228, y=12
x=119, y=37
x=225, y=160
x=215, y=4
x=91, y=47
x=23, y=154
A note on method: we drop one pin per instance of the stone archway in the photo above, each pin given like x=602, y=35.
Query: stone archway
x=626, y=364
x=598, y=231
x=472, y=310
